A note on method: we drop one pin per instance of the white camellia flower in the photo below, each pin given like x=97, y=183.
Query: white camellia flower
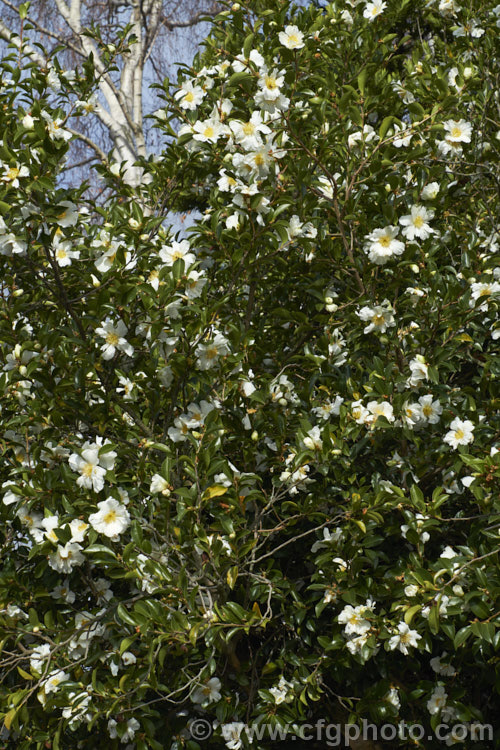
x=402, y=136
x=194, y=284
x=68, y=214
x=381, y=245
x=484, y=291
x=128, y=658
x=431, y=410
x=419, y=370
x=9, y=497
x=232, y=734
x=247, y=134
x=356, y=643
x=179, y=432
x=380, y=409
x=460, y=433
x=50, y=523
x=270, y=83
x=415, y=223
x=11, y=175
x=392, y=697
x=291, y=37
x=51, y=684
x=114, y=335
x=241, y=62
x=443, y=669
x=281, y=691
x=437, y=701
x=64, y=559
x=374, y=9
x=404, y=639
x=430, y=191
x=159, y=485
x=328, y=408
x=63, y=253
x=411, y=590
x=54, y=128
x=196, y=413
x=312, y=440
x=105, y=261
x=63, y=591
x=207, y=693
x=189, y=96
x=379, y=317
x=412, y=414
x=177, y=251
x=39, y=656
x=359, y=413
x=457, y=133
x=354, y=621
x=207, y=355
x=112, y=518
x=126, y=387
x=87, y=465
x=78, y=530
x=208, y=131
x=131, y=728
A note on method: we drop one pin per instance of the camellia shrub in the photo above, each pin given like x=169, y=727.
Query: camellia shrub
x=250, y=474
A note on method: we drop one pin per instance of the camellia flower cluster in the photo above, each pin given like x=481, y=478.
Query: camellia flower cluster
x=251, y=469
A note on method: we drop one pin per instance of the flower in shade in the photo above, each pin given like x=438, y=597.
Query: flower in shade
x=159, y=485
x=430, y=191
x=419, y=370
x=207, y=355
x=68, y=214
x=380, y=409
x=111, y=519
x=437, y=701
x=64, y=559
x=63, y=253
x=128, y=735
x=404, y=639
x=51, y=684
x=207, y=693
x=232, y=734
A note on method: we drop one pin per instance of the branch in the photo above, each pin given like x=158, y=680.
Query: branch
x=13, y=38
x=102, y=156
x=197, y=18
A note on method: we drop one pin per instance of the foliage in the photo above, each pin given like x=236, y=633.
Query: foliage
x=252, y=476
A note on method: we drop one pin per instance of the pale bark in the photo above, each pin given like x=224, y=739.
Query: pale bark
x=121, y=108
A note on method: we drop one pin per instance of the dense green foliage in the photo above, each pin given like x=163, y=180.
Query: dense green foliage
x=252, y=476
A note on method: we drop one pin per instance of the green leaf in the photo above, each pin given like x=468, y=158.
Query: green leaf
x=362, y=80
x=384, y=127
x=411, y=612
